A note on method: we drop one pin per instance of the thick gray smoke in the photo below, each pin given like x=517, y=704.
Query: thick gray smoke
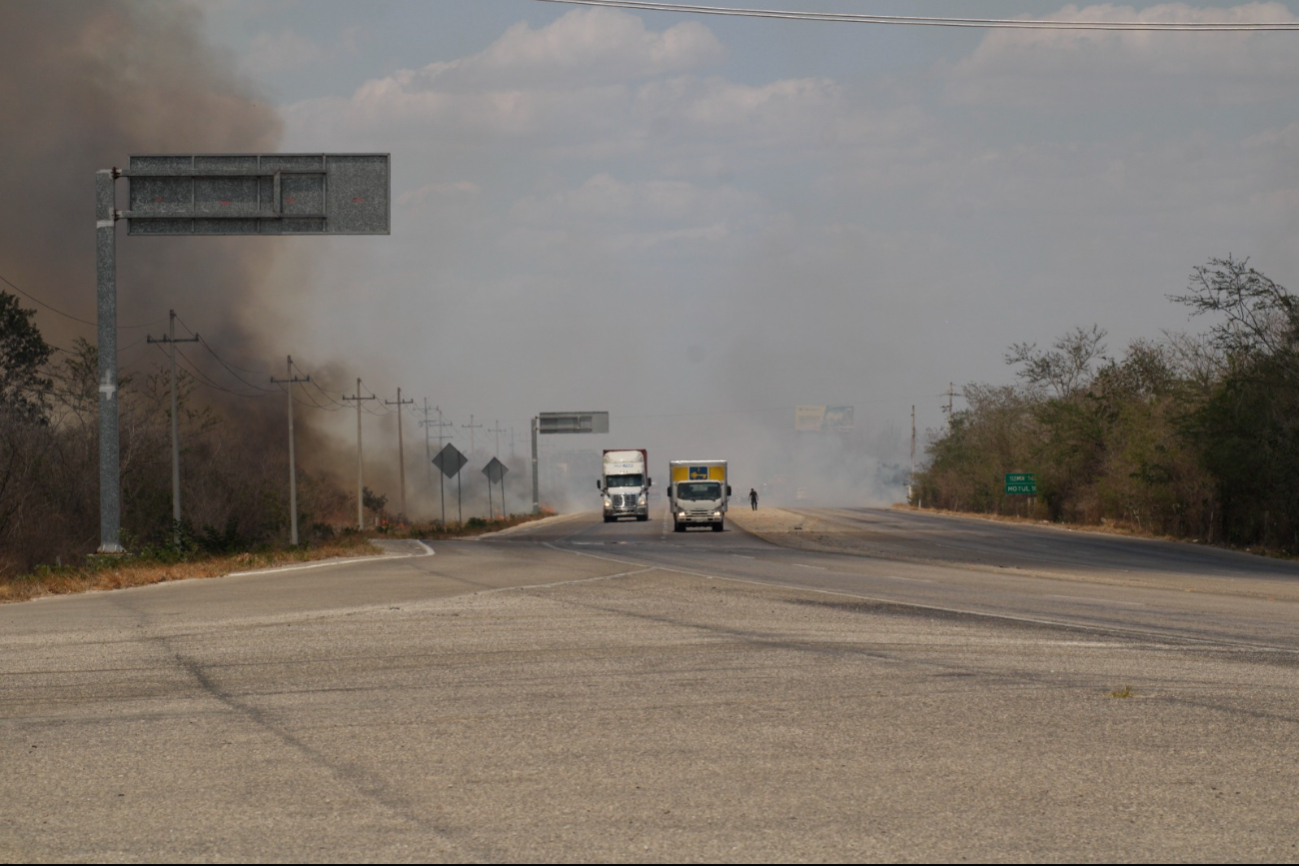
x=85, y=84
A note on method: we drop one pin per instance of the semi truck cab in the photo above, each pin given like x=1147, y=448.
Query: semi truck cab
x=625, y=484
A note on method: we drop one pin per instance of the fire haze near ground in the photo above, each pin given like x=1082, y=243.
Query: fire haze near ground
x=85, y=85
x=88, y=84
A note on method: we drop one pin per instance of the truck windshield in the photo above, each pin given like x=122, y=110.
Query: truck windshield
x=699, y=491
x=624, y=481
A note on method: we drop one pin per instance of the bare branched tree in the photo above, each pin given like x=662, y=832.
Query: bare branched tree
x=1260, y=317
x=1066, y=368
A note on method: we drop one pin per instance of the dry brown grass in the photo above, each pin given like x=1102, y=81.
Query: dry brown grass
x=102, y=573
x=473, y=526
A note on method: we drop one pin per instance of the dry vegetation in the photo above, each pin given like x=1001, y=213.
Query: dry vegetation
x=101, y=573
x=1190, y=437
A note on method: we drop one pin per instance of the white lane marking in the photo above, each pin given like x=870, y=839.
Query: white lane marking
x=813, y=567
x=741, y=556
x=1097, y=600
x=894, y=577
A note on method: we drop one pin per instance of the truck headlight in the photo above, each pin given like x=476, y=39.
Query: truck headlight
x=717, y=514
x=681, y=514
x=607, y=502
x=642, y=500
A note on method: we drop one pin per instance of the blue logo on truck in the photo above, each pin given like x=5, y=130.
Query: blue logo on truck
x=698, y=473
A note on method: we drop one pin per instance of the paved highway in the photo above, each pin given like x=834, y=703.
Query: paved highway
x=898, y=687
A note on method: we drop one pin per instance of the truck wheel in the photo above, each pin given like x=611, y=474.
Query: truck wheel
x=677, y=527
x=717, y=527
x=642, y=517
x=608, y=519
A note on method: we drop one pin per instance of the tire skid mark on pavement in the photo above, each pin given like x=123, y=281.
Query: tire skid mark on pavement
x=1122, y=631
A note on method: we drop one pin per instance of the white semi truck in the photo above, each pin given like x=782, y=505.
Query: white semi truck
x=698, y=493
x=625, y=483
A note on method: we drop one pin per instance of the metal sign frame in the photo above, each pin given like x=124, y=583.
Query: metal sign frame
x=217, y=194
x=573, y=422
x=259, y=194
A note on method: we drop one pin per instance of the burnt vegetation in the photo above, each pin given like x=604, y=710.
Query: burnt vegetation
x=235, y=490
x=1189, y=436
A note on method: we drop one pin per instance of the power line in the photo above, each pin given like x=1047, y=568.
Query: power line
x=203, y=378
x=921, y=21
x=230, y=368
x=53, y=309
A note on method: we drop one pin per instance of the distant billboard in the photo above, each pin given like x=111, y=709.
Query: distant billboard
x=573, y=422
x=823, y=419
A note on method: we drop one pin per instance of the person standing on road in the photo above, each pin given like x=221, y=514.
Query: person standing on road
x=753, y=498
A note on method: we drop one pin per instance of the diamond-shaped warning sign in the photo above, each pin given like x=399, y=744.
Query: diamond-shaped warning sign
x=495, y=471
x=450, y=461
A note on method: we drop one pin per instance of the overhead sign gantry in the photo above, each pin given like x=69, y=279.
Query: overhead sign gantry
x=218, y=194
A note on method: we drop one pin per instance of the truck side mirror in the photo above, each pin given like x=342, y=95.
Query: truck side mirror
x=597, y=484
x=728, y=490
x=649, y=482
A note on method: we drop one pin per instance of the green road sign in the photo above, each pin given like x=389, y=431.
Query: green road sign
x=1022, y=483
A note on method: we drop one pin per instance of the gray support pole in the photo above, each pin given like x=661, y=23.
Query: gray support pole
x=110, y=478
x=171, y=340
x=401, y=451
x=360, y=487
x=175, y=430
x=293, y=465
x=401, y=457
x=536, y=499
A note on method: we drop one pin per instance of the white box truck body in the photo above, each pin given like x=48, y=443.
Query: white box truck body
x=698, y=493
x=625, y=482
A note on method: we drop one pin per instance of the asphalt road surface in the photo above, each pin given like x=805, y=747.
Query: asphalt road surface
x=896, y=687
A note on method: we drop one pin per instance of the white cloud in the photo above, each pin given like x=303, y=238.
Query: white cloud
x=1060, y=68
x=583, y=46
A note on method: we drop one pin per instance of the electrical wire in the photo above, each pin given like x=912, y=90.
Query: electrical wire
x=54, y=309
x=204, y=379
x=921, y=21
x=231, y=369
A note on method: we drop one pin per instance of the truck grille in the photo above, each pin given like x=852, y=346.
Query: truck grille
x=624, y=501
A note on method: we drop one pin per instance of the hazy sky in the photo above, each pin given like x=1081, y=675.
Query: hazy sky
x=697, y=223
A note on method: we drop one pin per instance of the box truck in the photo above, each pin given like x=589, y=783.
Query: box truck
x=625, y=482
x=698, y=493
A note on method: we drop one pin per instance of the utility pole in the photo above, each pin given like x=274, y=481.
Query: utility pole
x=498, y=430
x=428, y=426
x=401, y=450
x=428, y=447
x=360, y=488
x=472, y=426
x=293, y=465
x=175, y=422
x=536, y=488
x=951, y=394
x=911, y=477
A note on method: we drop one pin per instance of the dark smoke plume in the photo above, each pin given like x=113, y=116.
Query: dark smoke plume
x=84, y=85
